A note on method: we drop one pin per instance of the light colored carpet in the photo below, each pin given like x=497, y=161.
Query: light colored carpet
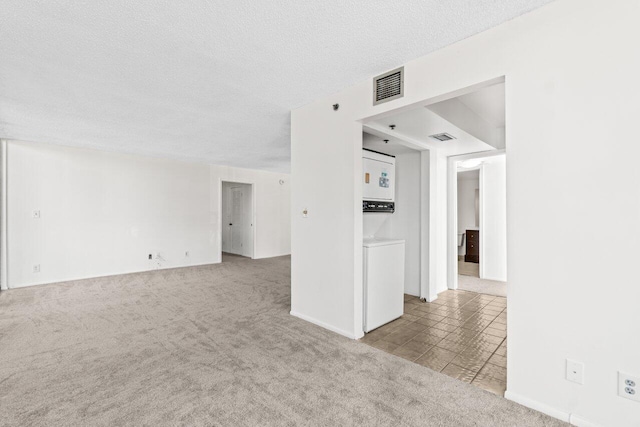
x=228, y=257
x=482, y=286
x=211, y=345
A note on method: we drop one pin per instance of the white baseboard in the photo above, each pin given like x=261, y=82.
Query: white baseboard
x=272, y=256
x=324, y=325
x=495, y=279
x=574, y=420
x=538, y=406
x=578, y=421
x=111, y=274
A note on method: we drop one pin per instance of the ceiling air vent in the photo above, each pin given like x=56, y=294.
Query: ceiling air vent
x=442, y=137
x=388, y=86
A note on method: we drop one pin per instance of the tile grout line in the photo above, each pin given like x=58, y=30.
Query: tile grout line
x=456, y=310
x=486, y=362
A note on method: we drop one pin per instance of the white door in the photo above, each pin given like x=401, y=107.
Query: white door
x=237, y=221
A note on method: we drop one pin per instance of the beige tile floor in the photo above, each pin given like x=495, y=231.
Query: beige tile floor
x=468, y=268
x=461, y=334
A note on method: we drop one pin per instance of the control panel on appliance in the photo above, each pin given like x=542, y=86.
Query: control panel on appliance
x=373, y=206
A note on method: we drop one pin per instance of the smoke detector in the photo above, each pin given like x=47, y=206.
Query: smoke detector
x=442, y=137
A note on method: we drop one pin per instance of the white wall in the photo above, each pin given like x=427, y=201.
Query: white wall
x=103, y=213
x=467, y=187
x=493, y=234
x=272, y=220
x=567, y=189
x=439, y=199
x=404, y=223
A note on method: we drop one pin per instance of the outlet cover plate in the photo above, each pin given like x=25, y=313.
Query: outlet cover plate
x=575, y=371
x=629, y=386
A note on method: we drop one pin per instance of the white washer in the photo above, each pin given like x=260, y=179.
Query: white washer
x=383, y=281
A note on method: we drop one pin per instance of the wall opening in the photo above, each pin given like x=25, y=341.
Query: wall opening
x=468, y=325
x=237, y=224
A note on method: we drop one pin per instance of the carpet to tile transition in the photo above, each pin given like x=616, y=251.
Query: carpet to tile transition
x=211, y=345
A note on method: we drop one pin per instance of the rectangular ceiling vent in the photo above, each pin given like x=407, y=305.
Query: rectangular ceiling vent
x=388, y=86
x=442, y=137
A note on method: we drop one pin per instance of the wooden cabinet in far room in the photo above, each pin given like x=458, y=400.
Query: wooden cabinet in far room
x=472, y=246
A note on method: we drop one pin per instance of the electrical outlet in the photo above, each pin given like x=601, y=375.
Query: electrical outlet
x=150, y=256
x=36, y=214
x=629, y=386
x=36, y=268
x=186, y=253
x=305, y=213
x=575, y=371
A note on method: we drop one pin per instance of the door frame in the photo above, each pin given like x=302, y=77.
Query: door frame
x=4, y=246
x=452, y=212
x=221, y=214
x=430, y=270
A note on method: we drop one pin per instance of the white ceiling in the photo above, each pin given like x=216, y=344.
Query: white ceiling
x=480, y=113
x=414, y=127
x=393, y=146
x=487, y=103
x=206, y=80
x=469, y=175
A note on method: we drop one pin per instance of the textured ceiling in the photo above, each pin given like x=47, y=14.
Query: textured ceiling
x=206, y=80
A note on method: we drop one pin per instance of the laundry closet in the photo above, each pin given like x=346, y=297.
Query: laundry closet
x=391, y=229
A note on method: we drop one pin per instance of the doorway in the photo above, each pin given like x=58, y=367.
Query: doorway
x=469, y=222
x=457, y=332
x=477, y=231
x=237, y=221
